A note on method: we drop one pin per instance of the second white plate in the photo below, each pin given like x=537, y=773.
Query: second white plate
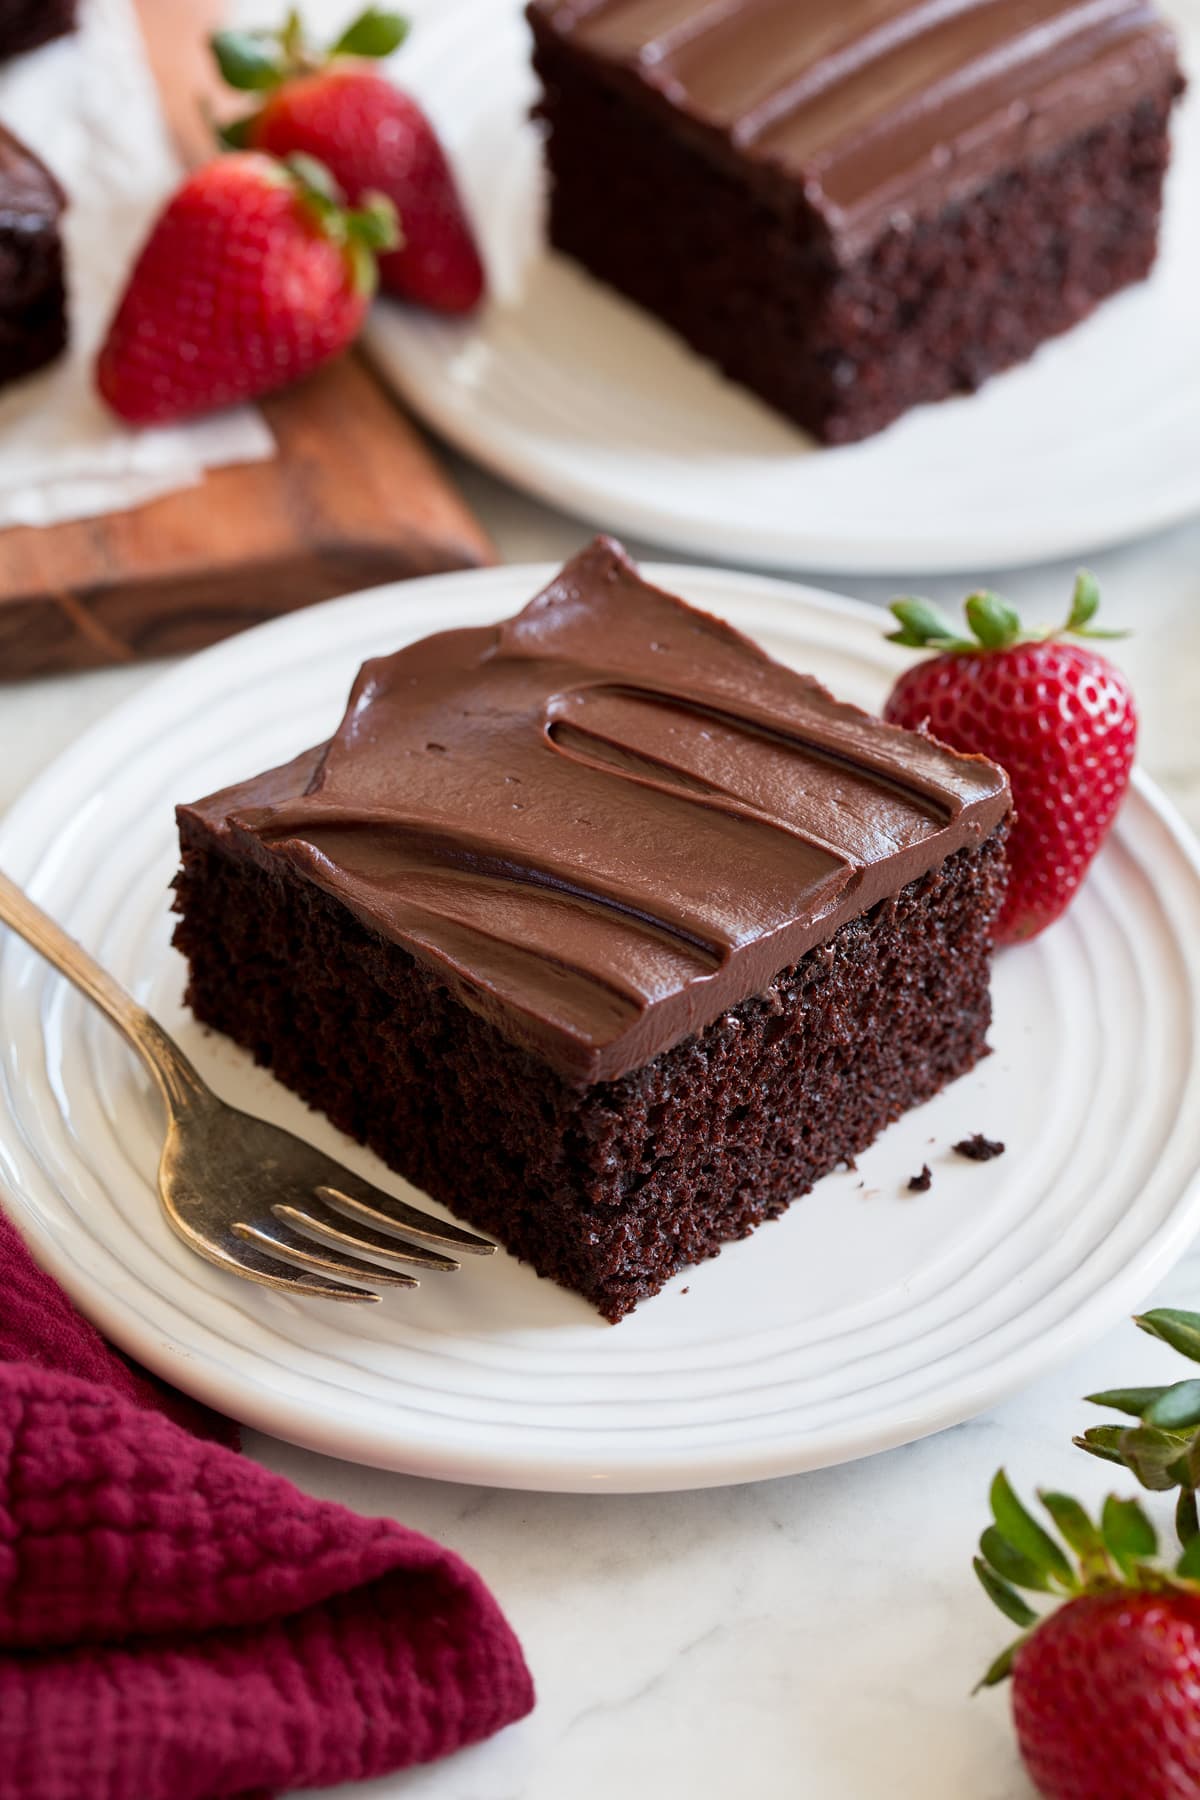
x=867, y=1316
x=574, y=394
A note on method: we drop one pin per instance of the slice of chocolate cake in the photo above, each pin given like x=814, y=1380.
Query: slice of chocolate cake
x=33, y=302
x=853, y=206
x=24, y=24
x=602, y=927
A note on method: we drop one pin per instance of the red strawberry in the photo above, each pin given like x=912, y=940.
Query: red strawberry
x=371, y=136
x=1106, y=1691
x=1106, y=1698
x=1057, y=716
x=253, y=276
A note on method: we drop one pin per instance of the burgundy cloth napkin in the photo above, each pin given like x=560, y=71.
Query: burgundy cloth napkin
x=176, y=1623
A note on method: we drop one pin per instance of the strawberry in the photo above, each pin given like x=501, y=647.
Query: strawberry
x=334, y=106
x=1056, y=715
x=253, y=275
x=1105, y=1691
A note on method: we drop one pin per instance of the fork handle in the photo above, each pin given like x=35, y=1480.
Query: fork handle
x=171, y=1069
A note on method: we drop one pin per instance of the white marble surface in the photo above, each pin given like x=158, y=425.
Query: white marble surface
x=806, y=1639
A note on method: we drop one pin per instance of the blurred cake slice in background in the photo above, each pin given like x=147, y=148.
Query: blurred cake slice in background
x=33, y=304
x=854, y=206
x=24, y=24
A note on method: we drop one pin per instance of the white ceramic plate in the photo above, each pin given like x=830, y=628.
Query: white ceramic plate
x=570, y=392
x=864, y=1318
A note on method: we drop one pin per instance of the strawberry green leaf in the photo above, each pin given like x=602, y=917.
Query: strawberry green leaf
x=248, y=60
x=315, y=179
x=1177, y=1409
x=291, y=36
x=993, y=621
x=369, y=230
x=1001, y=1669
x=361, y=231
x=923, y=627
x=1103, y=1441
x=1005, y=1597
x=1079, y=1530
x=1189, y=1563
x=1187, y=1524
x=1009, y=1563
x=364, y=270
x=1134, y=1401
x=1155, y=1457
x=374, y=33
x=1128, y=1533
x=1085, y=601
x=1026, y=1535
x=1179, y=1329
x=236, y=134
x=376, y=223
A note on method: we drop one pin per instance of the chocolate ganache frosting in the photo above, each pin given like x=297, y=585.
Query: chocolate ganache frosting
x=603, y=822
x=878, y=109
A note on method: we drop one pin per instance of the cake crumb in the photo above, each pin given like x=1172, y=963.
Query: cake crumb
x=921, y=1184
x=978, y=1148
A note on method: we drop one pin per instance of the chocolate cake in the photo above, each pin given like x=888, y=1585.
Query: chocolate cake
x=853, y=206
x=602, y=927
x=24, y=24
x=33, y=304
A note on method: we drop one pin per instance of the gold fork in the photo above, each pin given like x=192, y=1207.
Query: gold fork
x=252, y=1198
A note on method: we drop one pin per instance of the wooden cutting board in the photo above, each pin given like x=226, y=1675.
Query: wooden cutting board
x=353, y=498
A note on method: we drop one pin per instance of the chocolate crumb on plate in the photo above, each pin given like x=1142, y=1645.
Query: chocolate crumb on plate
x=921, y=1184
x=979, y=1148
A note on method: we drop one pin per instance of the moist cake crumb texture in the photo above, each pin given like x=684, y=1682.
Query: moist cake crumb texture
x=728, y=931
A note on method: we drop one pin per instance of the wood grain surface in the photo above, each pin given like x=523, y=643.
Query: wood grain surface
x=354, y=497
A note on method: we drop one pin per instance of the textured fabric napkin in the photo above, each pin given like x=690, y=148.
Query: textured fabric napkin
x=176, y=1623
x=88, y=107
